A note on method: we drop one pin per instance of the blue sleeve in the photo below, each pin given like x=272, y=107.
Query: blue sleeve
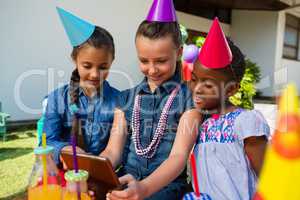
x=53, y=125
x=124, y=99
x=251, y=123
x=185, y=99
x=189, y=103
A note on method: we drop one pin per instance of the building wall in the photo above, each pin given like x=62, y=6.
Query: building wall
x=199, y=23
x=35, y=51
x=286, y=70
x=255, y=32
x=266, y=47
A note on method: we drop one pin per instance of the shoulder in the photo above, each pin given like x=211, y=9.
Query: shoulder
x=252, y=123
x=125, y=99
x=185, y=91
x=57, y=99
x=126, y=95
x=247, y=116
x=112, y=91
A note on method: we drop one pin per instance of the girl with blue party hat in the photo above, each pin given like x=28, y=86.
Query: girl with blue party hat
x=155, y=123
x=88, y=95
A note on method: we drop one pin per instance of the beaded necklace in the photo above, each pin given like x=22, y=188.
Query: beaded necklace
x=150, y=150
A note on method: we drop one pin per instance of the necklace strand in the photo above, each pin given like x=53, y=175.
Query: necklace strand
x=150, y=150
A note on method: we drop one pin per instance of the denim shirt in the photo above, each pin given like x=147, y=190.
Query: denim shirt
x=95, y=114
x=151, y=107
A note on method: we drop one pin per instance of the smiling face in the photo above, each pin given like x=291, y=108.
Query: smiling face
x=157, y=58
x=93, y=66
x=211, y=87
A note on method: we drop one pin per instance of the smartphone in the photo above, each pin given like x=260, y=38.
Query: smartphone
x=99, y=168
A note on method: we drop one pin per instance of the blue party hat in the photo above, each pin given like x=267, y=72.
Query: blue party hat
x=77, y=29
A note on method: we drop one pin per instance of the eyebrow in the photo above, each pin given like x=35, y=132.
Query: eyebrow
x=159, y=58
x=104, y=63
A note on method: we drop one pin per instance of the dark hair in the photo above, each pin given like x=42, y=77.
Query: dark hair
x=100, y=38
x=238, y=63
x=156, y=30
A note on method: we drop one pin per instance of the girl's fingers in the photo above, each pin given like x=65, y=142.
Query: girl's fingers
x=126, y=179
x=113, y=196
x=127, y=193
x=123, y=194
x=92, y=194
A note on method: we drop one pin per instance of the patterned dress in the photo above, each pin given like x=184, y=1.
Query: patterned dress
x=223, y=169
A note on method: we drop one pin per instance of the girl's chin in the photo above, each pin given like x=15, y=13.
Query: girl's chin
x=91, y=87
x=156, y=82
x=199, y=106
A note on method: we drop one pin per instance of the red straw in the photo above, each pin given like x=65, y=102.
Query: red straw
x=194, y=174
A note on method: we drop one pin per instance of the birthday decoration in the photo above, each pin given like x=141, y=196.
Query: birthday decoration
x=77, y=29
x=280, y=175
x=162, y=11
x=215, y=52
x=189, y=56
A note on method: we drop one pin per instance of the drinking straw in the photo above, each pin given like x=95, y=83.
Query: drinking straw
x=44, y=161
x=75, y=163
x=194, y=174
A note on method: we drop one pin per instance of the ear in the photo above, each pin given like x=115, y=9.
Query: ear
x=232, y=88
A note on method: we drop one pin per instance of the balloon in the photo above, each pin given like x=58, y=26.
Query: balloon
x=190, y=53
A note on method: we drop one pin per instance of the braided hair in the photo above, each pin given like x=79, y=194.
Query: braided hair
x=100, y=38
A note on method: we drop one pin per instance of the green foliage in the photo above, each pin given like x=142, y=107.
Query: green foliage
x=199, y=41
x=184, y=33
x=244, y=96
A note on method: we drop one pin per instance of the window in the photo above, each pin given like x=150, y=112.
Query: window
x=292, y=38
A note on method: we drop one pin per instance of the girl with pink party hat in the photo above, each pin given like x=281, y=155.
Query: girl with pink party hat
x=155, y=124
x=230, y=147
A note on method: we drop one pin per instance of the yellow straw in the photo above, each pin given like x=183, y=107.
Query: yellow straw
x=44, y=162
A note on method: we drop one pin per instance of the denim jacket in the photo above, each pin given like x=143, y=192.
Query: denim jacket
x=95, y=114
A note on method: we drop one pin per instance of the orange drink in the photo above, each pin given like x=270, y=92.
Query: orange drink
x=49, y=192
x=73, y=196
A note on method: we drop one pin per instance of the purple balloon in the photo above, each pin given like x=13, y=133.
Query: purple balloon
x=190, y=53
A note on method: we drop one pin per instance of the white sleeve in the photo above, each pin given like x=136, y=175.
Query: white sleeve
x=251, y=123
